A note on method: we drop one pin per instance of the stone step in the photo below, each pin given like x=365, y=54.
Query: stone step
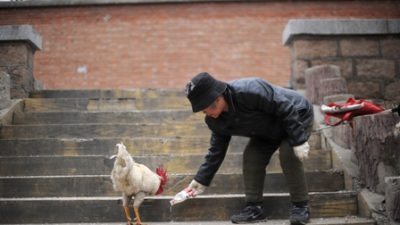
x=136, y=133
x=348, y=220
x=101, y=185
x=83, y=104
x=202, y=208
x=108, y=94
x=106, y=146
x=102, y=165
x=136, y=146
x=103, y=130
x=148, y=116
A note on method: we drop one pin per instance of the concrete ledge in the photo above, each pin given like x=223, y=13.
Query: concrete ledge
x=21, y=33
x=339, y=27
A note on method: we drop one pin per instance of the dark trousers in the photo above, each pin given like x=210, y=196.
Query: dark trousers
x=256, y=157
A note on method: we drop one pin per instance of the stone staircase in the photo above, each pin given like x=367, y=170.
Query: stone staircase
x=55, y=166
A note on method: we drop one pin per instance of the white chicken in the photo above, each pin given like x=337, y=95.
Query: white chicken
x=135, y=180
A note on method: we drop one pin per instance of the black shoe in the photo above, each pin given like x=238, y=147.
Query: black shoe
x=250, y=214
x=299, y=215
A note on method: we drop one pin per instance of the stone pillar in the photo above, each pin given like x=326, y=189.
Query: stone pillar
x=17, y=48
x=314, y=76
x=376, y=145
x=366, y=50
x=392, y=197
x=4, y=90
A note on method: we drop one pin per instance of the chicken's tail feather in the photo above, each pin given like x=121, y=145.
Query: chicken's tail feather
x=162, y=173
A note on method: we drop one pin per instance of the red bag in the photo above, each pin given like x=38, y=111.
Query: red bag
x=348, y=110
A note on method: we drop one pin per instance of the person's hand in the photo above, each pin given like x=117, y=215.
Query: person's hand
x=195, y=188
x=301, y=151
x=191, y=191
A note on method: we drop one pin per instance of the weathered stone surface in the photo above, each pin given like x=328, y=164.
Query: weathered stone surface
x=342, y=135
x=392, y=91
x=333, y=86
x=392, y=197
x=93, y=105
x=21, y=33
x=100, y=185
x=13, y=54
x=21, y=82
x=17, y=47
x=5, y=101
x=105, y=130
x=299, y=67
x=359, y=47
x=376, y=147
x=309, y=49
x=376, y=68
x=365, y=89
x=390, y=48
x=203, y=208
x=339, y=27
x=314, y=76
x=345, y=65
x=174, y=163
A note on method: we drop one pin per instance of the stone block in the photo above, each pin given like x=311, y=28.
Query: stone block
x=376, y=68
x=392, y=197
x=337, y=98
x=299, y=67
x=313, y=77
x=345, y=65
x=23, y=33
x=21, y=82
x=310, y=49
x=339, y=27
x=333, y=86
x=392, y=91
x=376, y=148
x=14, y=54
x=390, y=48
x=342, y=135
x=365, y=89
x=5, y=101
x=359, y=47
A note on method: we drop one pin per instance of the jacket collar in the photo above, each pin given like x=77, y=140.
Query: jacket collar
x=228, y=95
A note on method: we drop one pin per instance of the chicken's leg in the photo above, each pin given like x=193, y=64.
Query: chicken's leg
x=137, y=215
x=127, y=215
x=139, y=197
x=125, y=205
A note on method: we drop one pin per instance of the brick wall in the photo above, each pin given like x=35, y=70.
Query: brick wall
x=163, y=45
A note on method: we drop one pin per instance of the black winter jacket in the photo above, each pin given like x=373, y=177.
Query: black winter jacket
x=257, y=109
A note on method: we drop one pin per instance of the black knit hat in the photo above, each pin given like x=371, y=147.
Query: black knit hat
x=203, y=90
